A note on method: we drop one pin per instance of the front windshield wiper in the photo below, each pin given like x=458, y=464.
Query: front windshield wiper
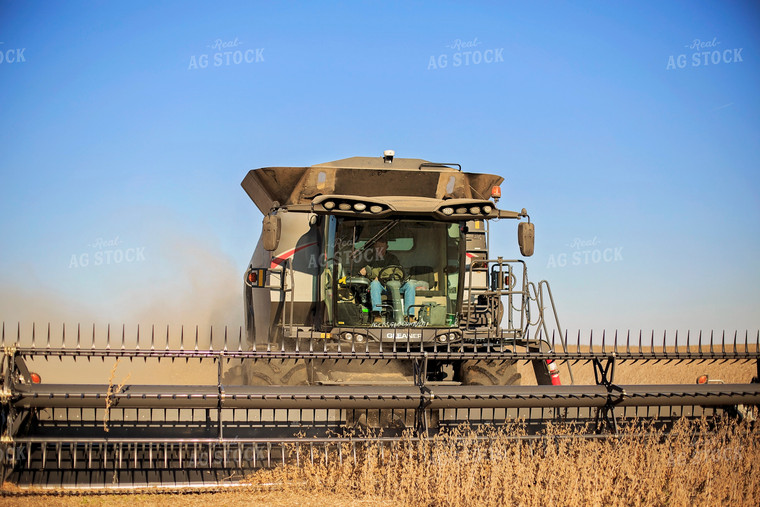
x=380, y=234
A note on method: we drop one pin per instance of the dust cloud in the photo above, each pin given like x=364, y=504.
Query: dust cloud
x=184, y=299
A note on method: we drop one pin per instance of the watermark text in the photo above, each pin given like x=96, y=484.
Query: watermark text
x=584, y=252
x=11, y=55
x=225, y=53
x=704, y=53
x=106, y=252
x=465, y=53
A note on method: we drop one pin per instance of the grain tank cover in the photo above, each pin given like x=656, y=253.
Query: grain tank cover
x=365, y=176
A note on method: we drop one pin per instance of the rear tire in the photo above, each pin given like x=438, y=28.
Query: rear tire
x=488, y=373
x=384, y=372
x=277, y=372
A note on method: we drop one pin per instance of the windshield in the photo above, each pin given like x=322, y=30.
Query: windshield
x=392, y=273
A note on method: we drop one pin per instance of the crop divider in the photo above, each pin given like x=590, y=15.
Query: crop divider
x=420, y=375
x=220, y=399
x=604, y=375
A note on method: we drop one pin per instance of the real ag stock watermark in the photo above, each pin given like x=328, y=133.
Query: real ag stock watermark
x=107, y=252
x=711, y=454
x=11, y=55
x=11, y=454
x=463, y=53
x=584, y=252
x=703, y=53
x=225, y=53
x=345, y=255
x=241, y=454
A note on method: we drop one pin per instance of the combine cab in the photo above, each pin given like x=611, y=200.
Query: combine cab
x=382, y=253
x=373, y=311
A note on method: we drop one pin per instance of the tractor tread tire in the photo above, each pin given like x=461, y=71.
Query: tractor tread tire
x=488, y=373
x=277, y=372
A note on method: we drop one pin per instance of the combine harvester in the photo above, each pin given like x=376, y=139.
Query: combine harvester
x=373, y=308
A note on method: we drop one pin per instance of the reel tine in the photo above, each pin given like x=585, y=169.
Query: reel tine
x=723, y=342
x=688, y=343
x=699, y=348
x=676, y=343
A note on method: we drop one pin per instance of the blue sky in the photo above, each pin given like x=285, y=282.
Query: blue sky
x=114, y=138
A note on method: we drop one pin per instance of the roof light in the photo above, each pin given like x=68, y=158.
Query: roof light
x=487, y=209
x=376, y=208
x=461, y=211
x=360, y=206
x=475, y=210
x=496, y=192
x=344, y=206
x=328, y=204
x=447, y=211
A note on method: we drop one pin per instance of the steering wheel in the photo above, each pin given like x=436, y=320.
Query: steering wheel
x=392, y=272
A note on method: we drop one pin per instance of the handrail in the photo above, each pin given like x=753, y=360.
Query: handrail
x=292, y=291
x=541, y=321
x=286, y=271
x=497, y=266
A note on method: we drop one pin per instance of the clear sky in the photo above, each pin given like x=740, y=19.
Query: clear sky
x=629, y=130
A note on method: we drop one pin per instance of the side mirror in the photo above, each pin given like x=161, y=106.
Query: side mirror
x=270, y=232
x=526, y=234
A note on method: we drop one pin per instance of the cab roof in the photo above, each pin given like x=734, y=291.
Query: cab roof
x=365, y=176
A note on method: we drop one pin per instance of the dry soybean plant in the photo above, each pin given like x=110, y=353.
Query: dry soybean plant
x=111, y=391
x=688, y=466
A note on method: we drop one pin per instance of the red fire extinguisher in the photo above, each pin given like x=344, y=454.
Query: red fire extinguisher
x=553, y=372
